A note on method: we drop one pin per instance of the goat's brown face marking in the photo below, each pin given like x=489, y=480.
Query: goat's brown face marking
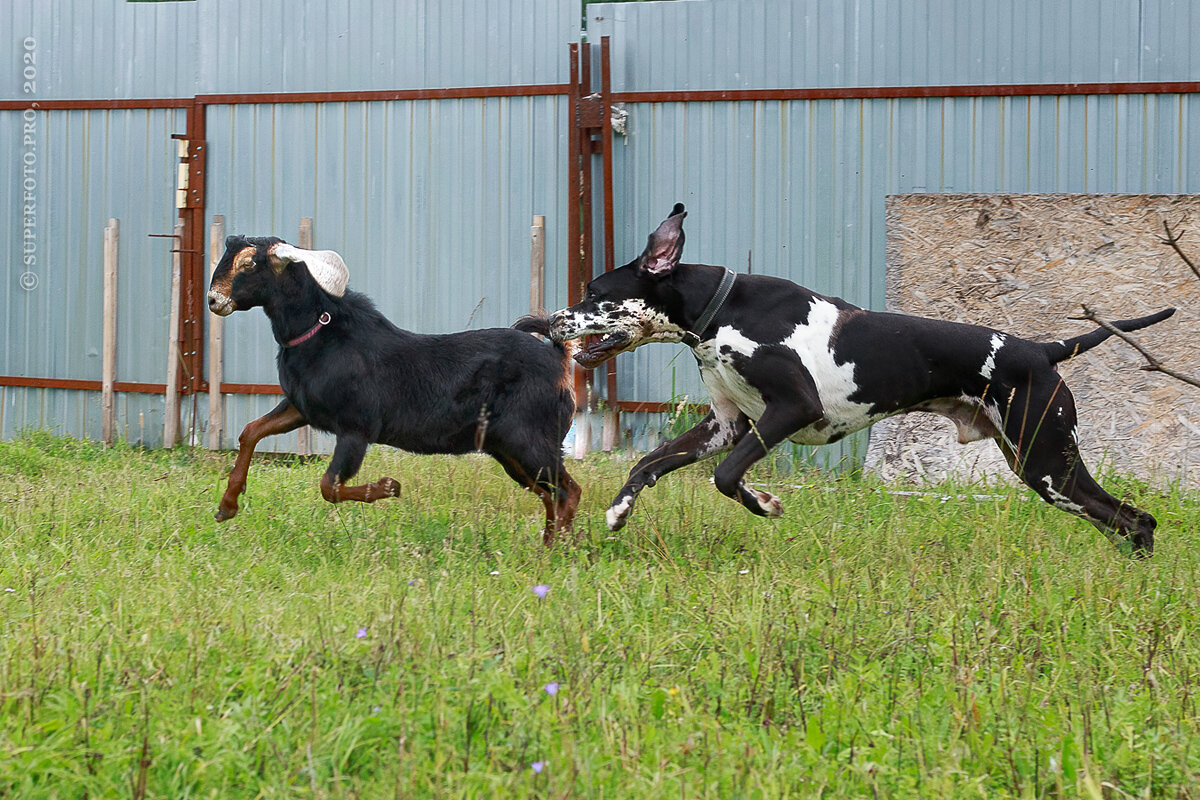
x=219, y=300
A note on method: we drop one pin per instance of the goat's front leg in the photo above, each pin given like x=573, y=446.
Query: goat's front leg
x=720, y=430
x=348, y=456
x=281, y=419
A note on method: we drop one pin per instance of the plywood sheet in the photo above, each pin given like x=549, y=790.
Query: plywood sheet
x=1025, y=264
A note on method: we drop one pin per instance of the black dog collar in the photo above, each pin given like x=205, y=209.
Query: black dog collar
x=692, y=338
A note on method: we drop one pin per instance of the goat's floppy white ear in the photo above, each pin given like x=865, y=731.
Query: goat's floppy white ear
x=665, y=245
x=327, y=267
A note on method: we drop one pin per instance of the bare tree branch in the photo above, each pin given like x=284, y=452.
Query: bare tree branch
x=1172, y=239
x=1152, y=363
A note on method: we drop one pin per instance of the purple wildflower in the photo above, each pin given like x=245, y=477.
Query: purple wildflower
x=551, y=688
x=537, y=767
x=362, y=633
x=541, y=590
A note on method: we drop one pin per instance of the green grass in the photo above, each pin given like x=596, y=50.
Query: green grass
x=864, y=645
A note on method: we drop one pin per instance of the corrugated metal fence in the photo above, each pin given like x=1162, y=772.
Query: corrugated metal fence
x=782, y=125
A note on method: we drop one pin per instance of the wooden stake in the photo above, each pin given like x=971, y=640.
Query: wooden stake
x=108, y=366
x=537, y=265
x=171, y=415
x=216, y=334
x=304, y=240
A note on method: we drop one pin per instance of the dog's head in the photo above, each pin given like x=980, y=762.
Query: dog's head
x=251, y=272
x=631, y=305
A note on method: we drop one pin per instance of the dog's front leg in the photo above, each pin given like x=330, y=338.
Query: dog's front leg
x=716, y=433
x=775, y=424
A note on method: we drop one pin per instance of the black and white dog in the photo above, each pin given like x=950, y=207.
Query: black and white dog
x=782, y=362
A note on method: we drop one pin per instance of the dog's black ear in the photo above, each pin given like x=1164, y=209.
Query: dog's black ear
x=665, y=245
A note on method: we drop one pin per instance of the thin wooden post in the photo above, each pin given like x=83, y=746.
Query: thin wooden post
x=537, y=265
x=108, y=365
x=304, y=240
x=610, y=428
x=216, y=334
x=171, y=413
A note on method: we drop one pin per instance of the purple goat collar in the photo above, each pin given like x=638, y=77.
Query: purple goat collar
x=322, y=321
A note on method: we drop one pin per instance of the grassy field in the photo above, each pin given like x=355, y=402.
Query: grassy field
x=866, y=645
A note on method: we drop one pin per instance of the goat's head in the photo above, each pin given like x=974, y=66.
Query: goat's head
x=250, y=272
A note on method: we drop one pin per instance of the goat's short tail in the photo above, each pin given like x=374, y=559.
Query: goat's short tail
x=533, y=323
x=1061, y=351
x=540, y=324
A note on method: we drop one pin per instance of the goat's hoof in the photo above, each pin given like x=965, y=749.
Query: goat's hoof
x=389, y=486
x=771, y=505
x=224, y=513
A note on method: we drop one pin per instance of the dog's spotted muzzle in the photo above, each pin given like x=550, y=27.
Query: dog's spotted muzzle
x=598, y=349
x=598, y=346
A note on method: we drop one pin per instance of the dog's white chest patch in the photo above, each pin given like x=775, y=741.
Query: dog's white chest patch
x=722, y=379
x=812, y=341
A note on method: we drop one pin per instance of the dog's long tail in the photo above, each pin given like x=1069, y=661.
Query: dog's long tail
x=1061, y=351
x=540, y=324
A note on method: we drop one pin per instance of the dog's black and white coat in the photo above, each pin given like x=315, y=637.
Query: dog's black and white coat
x=782, y=362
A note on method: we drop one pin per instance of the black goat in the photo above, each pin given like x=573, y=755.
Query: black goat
x=344, y=368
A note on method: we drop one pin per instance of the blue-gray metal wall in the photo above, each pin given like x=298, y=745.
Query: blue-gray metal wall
x=796, y=188
x=430, y=200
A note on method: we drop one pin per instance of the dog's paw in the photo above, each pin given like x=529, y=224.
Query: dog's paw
x=618, y=512
x=771, y=505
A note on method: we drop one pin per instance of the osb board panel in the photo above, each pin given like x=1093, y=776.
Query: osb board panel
x=1025, y=264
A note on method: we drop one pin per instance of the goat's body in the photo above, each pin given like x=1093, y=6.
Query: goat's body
x=427, y=393
x=356, y=375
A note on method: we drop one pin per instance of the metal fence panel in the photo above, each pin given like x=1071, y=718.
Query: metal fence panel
x=429, y=201
x=126, y=50
x=88, y=166
x=738, y=44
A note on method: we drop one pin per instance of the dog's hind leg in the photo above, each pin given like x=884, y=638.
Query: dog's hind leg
x=348, y=455
x=715, y=434
x=1040, y=446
